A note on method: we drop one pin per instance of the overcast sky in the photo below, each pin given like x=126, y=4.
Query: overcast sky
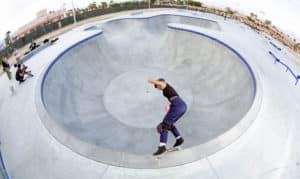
x=285, y=14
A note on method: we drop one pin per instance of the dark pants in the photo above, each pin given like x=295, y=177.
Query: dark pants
x=177, y=109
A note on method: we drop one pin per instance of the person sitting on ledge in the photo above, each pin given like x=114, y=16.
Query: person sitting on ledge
x=20, y=73
x=33, y=46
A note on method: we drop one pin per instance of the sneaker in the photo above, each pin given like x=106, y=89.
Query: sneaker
x=178, y=142
x=160, y=150
x=22, y=81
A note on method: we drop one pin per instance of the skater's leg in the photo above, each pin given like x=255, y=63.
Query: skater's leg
x=175, y=112
x=179, y=139
x=163, y=140
x=163, y=137
x=171, y=117
x=29, y=73
x=8, y=73
x=175, y=132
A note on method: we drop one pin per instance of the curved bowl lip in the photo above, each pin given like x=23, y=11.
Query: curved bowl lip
x=128, y=160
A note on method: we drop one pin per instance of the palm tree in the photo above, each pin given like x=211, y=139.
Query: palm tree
x=297, y=46
x=104, y=5
x=252, y=15
x=92, y=5
x=229, y=11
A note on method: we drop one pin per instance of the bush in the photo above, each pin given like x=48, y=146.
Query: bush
x=229, y=11
x=115, y=5
x=267, y=22
x=104, y=5
x=250, y=19
x=195, y=3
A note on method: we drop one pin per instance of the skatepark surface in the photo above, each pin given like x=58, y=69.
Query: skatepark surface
x=90, y=113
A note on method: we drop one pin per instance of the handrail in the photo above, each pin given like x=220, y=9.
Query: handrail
x=2, y=166
x=274, y=45
x=277, y=60
x=268, y=38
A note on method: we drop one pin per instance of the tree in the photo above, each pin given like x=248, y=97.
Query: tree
x=229, y=11
x=115, y=5
x=93, y=5
x=180, y=2
x=267, y=22
x=252, y=15
x=195, y=3
x=104, y=5
x=297, y=46
x=250, y=18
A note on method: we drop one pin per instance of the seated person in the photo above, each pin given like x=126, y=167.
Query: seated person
x=33, y=46
x=21, y=72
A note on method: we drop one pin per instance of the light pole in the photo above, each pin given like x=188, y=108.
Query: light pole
x=149, y=3
x=74, y=13
x=187, y=4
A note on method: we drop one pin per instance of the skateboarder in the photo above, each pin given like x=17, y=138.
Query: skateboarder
x=175, y=110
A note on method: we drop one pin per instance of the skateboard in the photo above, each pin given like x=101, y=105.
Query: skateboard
x=169, y=151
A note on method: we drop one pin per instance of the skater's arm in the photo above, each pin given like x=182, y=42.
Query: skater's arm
x=158, y=83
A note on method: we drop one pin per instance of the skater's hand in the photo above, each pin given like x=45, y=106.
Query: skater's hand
x=152, y=81
x=167, y=108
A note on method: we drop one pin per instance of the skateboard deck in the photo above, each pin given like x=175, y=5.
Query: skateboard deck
x=169, y=151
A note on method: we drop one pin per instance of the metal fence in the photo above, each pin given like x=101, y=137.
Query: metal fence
x=287, y=68
x=69, y=20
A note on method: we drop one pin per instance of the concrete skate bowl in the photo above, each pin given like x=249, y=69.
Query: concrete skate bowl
x=97, y=102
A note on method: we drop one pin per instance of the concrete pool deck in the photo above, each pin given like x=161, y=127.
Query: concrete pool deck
x=267, y=148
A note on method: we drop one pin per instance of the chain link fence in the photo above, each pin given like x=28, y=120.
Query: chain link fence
x=69, y=20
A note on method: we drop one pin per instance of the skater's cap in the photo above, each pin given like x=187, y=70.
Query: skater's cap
x=159, y=79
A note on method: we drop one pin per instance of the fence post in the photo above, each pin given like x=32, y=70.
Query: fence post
x=74, y=13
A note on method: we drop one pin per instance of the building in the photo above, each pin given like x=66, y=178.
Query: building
x=43, y=17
